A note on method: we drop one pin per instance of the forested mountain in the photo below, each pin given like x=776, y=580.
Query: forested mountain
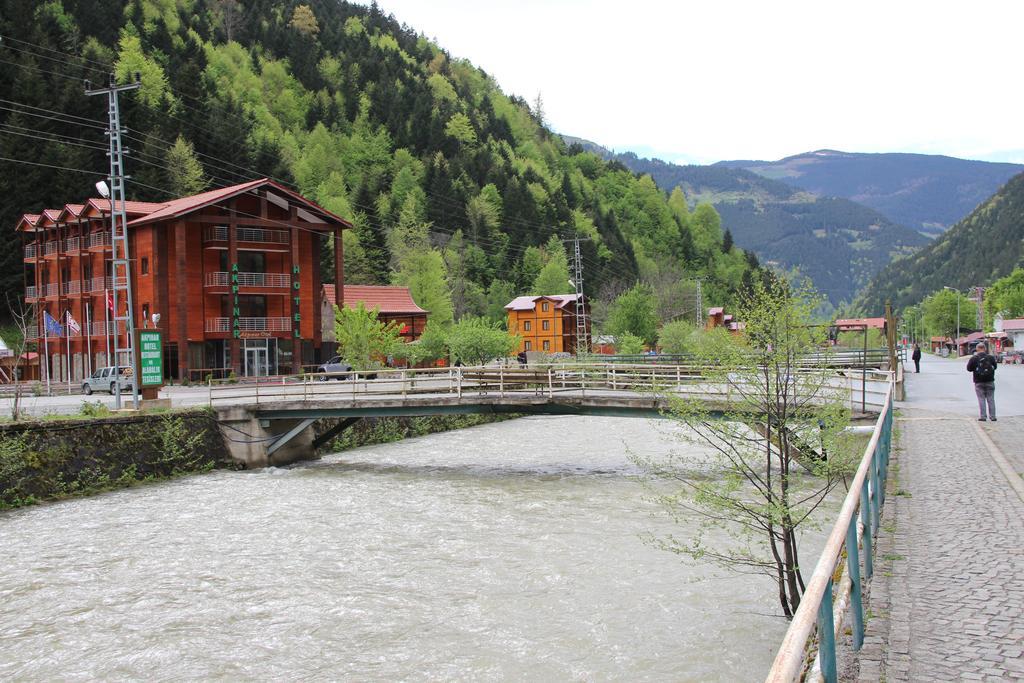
x=926, y=192
x=447, y=179
x=838, y=243
x=984, y=246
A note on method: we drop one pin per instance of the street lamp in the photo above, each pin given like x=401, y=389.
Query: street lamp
x=957, y=291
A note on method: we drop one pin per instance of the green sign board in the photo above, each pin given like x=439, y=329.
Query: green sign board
x=151, y=358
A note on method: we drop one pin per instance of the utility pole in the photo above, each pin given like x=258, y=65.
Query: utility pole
x=700, y=304
x=979, y=293
x=120, y=263
x=582, y=329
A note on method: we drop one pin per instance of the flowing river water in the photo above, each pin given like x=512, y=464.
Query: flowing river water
x=510, y=551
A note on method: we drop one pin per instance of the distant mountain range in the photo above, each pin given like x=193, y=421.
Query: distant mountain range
x=925, y=192
x=985, y=246
x=838, y=243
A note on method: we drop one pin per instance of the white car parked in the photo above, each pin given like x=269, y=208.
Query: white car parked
x=103, y=380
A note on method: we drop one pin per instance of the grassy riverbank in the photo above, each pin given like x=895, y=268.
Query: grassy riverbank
x=53, y=459
x=375, y=430
x=95, y=451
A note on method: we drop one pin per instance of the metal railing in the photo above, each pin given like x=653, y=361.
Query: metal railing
x=31, y=292
x=266, y=280
x=504, y=381
x=219, y=233
x=249, y=324
x=823, y=608
x=72, y=287
x=838, y=358
x=104, y=327
x=50, y=248
x=32, y=251
x=98, y=239
x=72, y=244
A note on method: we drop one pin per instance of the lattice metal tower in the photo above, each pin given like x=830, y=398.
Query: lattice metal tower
x=700, y=304
x=120, y=262
x=582, y=328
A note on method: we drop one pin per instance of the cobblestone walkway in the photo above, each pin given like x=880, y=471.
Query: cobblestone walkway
x=947, y=600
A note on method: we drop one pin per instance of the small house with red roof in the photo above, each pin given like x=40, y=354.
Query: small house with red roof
x=392, y=303
x=234, y=274
x=717, y=317
x=1013, y=329
x=546, y=323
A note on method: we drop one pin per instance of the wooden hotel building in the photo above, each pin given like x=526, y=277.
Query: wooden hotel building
x=233, y=273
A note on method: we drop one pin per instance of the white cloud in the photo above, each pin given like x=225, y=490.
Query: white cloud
x=763, y=80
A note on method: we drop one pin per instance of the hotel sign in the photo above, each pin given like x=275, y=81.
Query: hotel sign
x=151, y=357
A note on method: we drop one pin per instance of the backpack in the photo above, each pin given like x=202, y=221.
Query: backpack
x=985, y=370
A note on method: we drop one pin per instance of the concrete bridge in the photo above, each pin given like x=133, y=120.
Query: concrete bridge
x=271, y=423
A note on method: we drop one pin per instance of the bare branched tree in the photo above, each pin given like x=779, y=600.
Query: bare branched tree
x=769, y=453
x=24, y=317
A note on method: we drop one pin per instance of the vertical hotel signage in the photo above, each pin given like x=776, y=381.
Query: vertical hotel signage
x=151, y=357
x=296, y=299
x=236, y=329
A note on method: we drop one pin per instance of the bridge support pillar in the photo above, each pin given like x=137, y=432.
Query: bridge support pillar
x=253, y=443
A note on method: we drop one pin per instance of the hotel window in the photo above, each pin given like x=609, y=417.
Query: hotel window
x=547, y=345
x=544, y=306
x=527, y=346
x=545, y=325
x=526, y=326
x=144, y=264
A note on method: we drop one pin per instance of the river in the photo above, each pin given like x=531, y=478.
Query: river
x=509, y=551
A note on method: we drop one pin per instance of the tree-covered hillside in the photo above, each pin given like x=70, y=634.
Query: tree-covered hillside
x=983, y=247
x=837, y=243
x=455, y=187
x=926, y=192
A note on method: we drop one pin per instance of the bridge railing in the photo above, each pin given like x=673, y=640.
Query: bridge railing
x=865, y=389
x=808, y=650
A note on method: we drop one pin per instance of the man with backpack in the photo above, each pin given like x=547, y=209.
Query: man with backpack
x=983, y=365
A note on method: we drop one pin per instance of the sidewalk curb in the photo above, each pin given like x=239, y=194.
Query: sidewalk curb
x=1004, y=465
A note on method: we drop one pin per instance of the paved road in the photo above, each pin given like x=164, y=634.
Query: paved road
x=948, y=596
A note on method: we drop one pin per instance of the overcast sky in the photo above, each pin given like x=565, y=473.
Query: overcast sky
x=697, y=82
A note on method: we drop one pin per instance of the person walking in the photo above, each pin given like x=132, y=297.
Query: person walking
x=983, y=365
x=916, y=357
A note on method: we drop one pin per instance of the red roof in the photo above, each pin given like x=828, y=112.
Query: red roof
x=388, y=300
x=1013, y=325
x=131, y=208
x=185, y=205
x=718, y=310
x=528, y=303
x=859, y=323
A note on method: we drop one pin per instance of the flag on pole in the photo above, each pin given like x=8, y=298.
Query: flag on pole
x=73, y=326
x=52, y=326
x=110, y=301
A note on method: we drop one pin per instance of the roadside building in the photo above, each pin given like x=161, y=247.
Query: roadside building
x=717, y=317
x=1013, y=328
x=941, y=345
x=546, y=323
x=859, y=324
x=233, y=274
x=393, y=304
x=966, y=344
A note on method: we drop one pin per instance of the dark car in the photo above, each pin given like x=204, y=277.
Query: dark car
x=335, y=368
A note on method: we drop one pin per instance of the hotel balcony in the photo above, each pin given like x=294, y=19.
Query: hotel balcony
x=250, y=324
x=219, y=233
x=250, y=280
x=97, y=240
x=50, y=249
x=72, y=245
x=32, y=251
x=104, y=327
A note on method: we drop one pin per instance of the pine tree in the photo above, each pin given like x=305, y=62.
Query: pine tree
x=185, y=174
